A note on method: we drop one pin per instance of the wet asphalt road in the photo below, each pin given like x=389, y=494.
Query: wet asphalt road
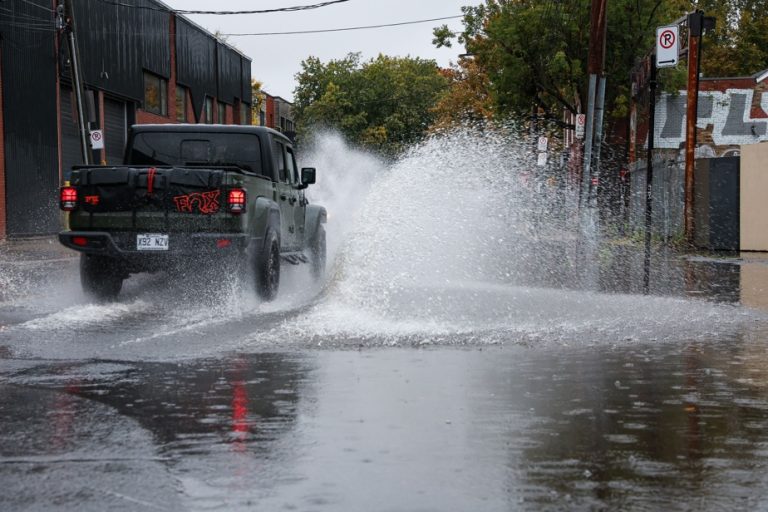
x=463, y=397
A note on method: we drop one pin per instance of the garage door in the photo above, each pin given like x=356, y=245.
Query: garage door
x=115, y=129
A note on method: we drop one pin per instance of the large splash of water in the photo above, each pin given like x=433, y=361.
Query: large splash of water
x=462, y=239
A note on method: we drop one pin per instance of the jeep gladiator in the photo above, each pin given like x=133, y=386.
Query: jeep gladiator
x=210, y=194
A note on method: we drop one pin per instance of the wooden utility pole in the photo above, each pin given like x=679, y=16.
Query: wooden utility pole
x=77, y=83
x=595, y=67
x=697, y=23
x=691, y=113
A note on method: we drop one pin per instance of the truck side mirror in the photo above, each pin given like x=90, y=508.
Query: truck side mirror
x=308, y=175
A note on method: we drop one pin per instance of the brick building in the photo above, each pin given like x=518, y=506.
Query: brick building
x=731, y=112
x=140, y=63
x=277, y=113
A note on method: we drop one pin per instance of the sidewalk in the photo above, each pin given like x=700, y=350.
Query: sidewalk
x=39, y=249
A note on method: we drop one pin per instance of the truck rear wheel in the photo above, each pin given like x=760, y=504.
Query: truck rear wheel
x=318, y=253
x=268, y=268
x=100, y=277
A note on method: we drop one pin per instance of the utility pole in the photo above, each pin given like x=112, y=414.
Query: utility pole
x=596, y=64
x=697, y=23
x=74, y=59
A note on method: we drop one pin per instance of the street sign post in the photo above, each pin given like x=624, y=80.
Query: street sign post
x=667, y=46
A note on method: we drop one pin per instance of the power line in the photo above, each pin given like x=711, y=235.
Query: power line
x=226, y=13
x=342, y=29
x=28, y=2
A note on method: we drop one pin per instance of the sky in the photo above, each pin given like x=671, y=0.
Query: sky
x=277, y=58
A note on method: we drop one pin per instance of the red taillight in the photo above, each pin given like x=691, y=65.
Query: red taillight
x=68, y=198
x=236, y=200
x=223, y=243
x=80, y=241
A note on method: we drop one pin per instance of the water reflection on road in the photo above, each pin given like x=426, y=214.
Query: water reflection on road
x=658, y=426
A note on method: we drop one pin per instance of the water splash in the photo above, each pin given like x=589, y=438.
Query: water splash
x=454, y=243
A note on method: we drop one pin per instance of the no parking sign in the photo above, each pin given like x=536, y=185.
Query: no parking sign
x=97, y=139
x=667, y=46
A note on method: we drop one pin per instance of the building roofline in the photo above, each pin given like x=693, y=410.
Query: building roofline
x=171, y=10
x=757, y=77
x=277, y=97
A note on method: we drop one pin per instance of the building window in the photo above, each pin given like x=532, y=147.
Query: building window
x=262, y=118
x=222, y=113
x=245, y=113
x=208, y=111
x=181, y=104
x=155, y=94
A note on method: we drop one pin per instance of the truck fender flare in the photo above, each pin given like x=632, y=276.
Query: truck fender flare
x=313, y=217
x=266, y=217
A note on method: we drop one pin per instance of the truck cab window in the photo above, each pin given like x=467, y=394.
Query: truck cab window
x=291, y=165
x=282, y=170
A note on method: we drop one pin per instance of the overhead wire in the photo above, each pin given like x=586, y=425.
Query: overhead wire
x=344, y=29
x=28, y=2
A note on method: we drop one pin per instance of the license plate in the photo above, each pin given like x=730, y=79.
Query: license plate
x=151, y=242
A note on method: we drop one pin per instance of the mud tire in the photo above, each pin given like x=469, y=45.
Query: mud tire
x=317, y=253
x=267, y=268
x=101, y=277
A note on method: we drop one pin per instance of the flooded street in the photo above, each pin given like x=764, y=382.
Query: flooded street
x=456, y=358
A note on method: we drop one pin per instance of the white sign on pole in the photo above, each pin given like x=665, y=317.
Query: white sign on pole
x=541, y=161
x=667, y=46
x=542, y=146
x=97, y=139
x=581, y=119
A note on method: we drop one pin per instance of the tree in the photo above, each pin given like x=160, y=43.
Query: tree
x=739, y=44
x=257, y=100
x=467, y=98
x=534, y=52
x=382, y=104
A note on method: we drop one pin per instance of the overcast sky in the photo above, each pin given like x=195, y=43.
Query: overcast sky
x=277, y=58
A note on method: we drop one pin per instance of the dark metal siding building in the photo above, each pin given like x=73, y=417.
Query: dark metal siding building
x=120, y=43
x=28, y=43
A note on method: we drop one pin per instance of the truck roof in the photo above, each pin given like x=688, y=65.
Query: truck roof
x=210, y=128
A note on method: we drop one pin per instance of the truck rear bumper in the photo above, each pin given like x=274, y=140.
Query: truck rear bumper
x=124, y=245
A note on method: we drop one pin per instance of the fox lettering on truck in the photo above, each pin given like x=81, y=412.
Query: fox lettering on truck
x=206, y=202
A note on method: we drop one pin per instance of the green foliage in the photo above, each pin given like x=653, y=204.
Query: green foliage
x=739, y=44
x=535, y=52
x=382, y=104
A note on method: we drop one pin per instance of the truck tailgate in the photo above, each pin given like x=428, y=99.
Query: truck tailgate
x=150, y=199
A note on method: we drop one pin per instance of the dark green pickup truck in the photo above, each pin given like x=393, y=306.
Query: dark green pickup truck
x=194, y=193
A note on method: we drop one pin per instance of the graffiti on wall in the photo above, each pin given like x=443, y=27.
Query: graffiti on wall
x=728, y=114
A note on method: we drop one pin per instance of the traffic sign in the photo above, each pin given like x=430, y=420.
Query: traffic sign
x=581, y=120
x=97, y=139
x=667, y=46
x=543, y=142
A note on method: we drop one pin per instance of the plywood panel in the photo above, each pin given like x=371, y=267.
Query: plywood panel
x=754, y=197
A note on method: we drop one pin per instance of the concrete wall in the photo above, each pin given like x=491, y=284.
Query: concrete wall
x=754, y=197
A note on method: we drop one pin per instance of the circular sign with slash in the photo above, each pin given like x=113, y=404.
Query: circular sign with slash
x=667, y=39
